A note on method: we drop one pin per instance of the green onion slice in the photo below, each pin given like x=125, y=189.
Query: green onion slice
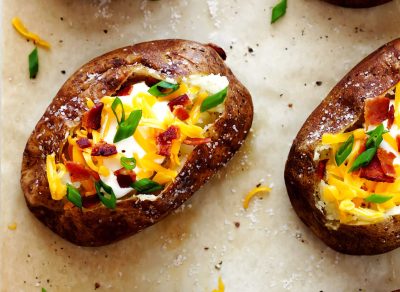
x=44, y=290
x=146, y=185
x=108, y=199
x=116, y=103
x=279, y=10
x=214, y=100
x=128, y=163
x=363, y=159
x=378, y=199
x=128, y=127
x=375, y=137
x=163, y=88
x=344, y=150
x=74, y=196
x=33, y=63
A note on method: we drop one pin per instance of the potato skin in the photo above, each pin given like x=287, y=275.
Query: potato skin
x=342, y=108
x=103, y=76
x=358, y=3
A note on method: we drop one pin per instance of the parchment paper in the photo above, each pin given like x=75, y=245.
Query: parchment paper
x=280, y=64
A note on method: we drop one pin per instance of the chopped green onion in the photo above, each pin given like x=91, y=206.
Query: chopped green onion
x=163, y=88
x=344, y=150
x=363, y=159
x=279, y=10
x=146, y=185
x=128, y=163
x=44, y=290
x=117, y=102
x=214, y=100
x=378, y=199
x=128, y=127
x=374, y=140
x=375, y=136
x=33, y=63
x=74, y=196
x=108, y=199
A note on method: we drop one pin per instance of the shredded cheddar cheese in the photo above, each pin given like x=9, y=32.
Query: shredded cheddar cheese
x=254, y=192
x=12, y=226
x=221, y=286
x=19, y=26
x=54, y=173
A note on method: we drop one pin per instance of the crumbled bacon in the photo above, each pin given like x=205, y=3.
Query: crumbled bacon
x=164, y=140
x=320, y=171
x=182, y=100
x=104, y=149
x=376, y=110
x=386, y=159
x=181, y=113
x=373, y=171
x=125, y=177
x=390, y=117
x=124, y=90
x=83, y=143
x=79, y=172
x=92, y=118
x=196, y=141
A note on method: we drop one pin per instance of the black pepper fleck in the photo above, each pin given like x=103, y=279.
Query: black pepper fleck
x=96, y=286
x=319, y=83
x=105, y=31
x=63, y=72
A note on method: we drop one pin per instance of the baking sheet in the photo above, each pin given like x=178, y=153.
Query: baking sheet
x=280, y=64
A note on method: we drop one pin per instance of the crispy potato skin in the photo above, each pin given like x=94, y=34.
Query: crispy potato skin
x=358, y=3
x=342, y=108
x=103, y=76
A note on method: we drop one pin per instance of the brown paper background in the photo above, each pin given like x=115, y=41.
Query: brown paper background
x=271, y=250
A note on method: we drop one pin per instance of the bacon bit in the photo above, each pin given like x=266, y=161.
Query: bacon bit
x=321, y=168
x=390, y=117
x=104, y=149
x=373, y=171
x=125, y=177
x=79, y=172
x=181, y=113
x=92, y=118
x=124, y=90
x=182, y=100
x=376, y=110
x=83, y=143
x=164, y=140
x=386, y=159
x=196, y=141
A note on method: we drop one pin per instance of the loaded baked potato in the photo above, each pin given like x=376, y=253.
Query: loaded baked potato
x=343, y=170
x=131, y=136
x=358, y=3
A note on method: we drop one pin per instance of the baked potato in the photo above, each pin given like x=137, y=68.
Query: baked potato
x=343, y=173
x=132, y=135
x=358, y=3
